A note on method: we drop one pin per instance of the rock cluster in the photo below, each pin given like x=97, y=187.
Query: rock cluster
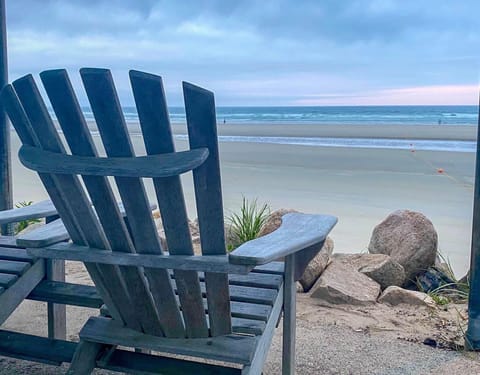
x=403, y=247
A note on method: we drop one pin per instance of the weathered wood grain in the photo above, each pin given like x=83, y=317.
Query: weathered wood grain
x=229, y=348
x=66, y=193
x=35, y=348
x=263, y=344
x=275, y=268
x=138, y=363
x=84, y=358
x=52, y=232
x=16, y=289
x=159, y=166
x=297, y=232
x=66, y=293
x=7, y=280
x=8, y=241
x=13, y=267
x=45, y=235
x=202, y=132
x=106, y=108
x=34, y=211
x=212, y=263
x=138, y=303
x=157, y=135
x=56, y=313
x=289, y=316
x=14, y=254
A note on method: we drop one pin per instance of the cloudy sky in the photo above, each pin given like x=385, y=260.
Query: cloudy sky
x=290, y=52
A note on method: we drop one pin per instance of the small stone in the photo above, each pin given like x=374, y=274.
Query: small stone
x=430, y=342
x=379, y=267
x=299, y=287
x=395, y=295
x=341, y=284
x=433, y=278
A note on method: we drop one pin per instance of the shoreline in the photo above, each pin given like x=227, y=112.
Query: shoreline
x=386, y=131
x=360, y=186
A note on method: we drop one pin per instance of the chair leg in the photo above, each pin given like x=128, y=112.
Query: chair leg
x=84, y=359
x=289, y=316
x=56, y=313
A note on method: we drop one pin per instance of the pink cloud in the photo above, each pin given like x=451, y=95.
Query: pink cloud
x=421, y=95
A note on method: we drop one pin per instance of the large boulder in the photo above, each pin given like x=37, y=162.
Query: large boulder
x=379, y=267
x=409, y=238
x=317, y=265
x=395, y=295
x=342, y=284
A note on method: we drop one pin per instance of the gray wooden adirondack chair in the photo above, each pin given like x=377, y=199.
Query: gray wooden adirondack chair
x=214, y=306
x=21, y=273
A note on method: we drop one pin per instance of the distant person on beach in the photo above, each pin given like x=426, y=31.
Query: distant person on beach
x=224, y=121
x=439, y=121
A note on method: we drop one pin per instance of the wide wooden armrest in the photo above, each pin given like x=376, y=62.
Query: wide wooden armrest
x=203, y=263
x=297, y=232
x=34, y=211
x=53, y=232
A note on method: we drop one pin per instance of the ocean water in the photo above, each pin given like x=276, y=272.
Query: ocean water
x=347, y=115
x=381, y=115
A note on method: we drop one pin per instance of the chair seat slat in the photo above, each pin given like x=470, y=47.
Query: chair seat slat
x=15, y=254
x=228, y=348
x=256, y=280
x=13, y=267
x=7, y=279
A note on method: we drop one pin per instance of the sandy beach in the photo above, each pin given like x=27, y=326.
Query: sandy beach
x=360, y=186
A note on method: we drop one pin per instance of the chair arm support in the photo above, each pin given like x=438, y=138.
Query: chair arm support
x=205, y=263
x=297, y=232
x=34, y=211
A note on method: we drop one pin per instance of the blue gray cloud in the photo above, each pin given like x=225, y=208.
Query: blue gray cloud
x=251, y=52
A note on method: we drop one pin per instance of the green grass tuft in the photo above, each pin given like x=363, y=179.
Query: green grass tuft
x=247, y=224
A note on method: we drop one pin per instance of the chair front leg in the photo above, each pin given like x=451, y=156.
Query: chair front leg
x=56, y=313
x=289, y=316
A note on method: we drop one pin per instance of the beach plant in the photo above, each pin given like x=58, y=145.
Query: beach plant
x=246, y=224
x=21, y=225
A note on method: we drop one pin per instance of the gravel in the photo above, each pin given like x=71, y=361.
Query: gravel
x=329, y=349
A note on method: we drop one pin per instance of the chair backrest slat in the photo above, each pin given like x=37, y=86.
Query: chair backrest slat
x=77, y=134
x=142, y=298
x=64, y=190
x=202, y=132
x=106, y=108
x=154, y=120
x=22, y=125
